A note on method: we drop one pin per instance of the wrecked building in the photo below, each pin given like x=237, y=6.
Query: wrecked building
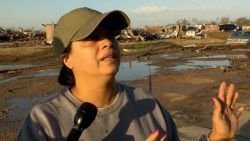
x=167, y=31
x=22, y=36
x=195, y=31
x=49, y=30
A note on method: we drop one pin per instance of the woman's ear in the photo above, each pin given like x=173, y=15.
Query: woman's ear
x=65, y=58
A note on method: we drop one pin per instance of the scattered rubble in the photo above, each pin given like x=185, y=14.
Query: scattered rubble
x=192, y=45
x=204, y=48
x=174, y=31
x=195, y=31
x=21, y=36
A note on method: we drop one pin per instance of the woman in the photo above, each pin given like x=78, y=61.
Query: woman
x=85, y=41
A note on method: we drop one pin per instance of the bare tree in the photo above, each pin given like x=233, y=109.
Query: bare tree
x=183, y=22
x=242, y=21
x=224, y=20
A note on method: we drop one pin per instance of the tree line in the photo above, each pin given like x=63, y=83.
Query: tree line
x=244, y=21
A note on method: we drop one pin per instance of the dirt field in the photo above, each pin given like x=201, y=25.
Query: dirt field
x=184, y=79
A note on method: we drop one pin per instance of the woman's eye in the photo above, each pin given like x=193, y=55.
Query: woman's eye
x=96, y=37
x=92, y=37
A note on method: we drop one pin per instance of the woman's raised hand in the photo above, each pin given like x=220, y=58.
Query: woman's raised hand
x=225, y=116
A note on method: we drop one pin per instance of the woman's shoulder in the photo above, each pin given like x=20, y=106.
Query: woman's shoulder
x=138, y=93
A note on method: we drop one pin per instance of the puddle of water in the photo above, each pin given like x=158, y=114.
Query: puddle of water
x=215, y=56
x=197, y=64
x=20, y=108
x=212, y=56
x=10, y=79
x=17, y=66
x=171, y=56
x=41, y=73
x=220, y=56
x=134, y=70
x=46, y=73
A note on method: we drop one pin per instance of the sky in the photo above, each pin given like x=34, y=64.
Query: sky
x=34, y=13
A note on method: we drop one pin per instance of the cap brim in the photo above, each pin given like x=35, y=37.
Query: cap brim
x=115, y=20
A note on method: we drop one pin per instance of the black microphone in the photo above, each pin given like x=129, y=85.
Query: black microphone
x=84, y=116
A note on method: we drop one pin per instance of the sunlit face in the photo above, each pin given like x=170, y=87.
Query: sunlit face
x=96, y=55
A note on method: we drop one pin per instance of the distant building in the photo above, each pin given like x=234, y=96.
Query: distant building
x=49, y=30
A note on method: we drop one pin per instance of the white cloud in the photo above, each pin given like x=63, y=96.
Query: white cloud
x=154, y=14
x=150, y=9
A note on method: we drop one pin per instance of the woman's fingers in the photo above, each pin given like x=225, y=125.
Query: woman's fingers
x=153, y=136
x=235, y=99
x=230, y=98
x=217, y=109
x=222, y=89
x=164, y=137
x=239, y=111
x=230, y=95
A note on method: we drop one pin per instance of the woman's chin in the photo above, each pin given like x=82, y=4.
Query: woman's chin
x=110, y=72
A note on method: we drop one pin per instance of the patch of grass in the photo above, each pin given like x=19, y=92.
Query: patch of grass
x=47, y=53
x=142, y=45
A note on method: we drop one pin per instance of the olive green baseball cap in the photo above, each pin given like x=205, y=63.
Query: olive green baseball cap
x=81, y=22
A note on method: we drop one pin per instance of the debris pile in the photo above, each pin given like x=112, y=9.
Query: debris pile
x=148, y=33
x=22, y=36
x=126, y=35
x=164, y=32
x=195, y=31
x=177, y=31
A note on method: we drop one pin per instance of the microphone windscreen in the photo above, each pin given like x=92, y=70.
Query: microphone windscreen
x=85, y=115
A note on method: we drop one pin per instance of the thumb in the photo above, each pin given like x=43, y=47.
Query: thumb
x=239, y=111
x=217, y=109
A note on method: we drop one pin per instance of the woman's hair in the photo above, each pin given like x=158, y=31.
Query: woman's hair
x=66, y=76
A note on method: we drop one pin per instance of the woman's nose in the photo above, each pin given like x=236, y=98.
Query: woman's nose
x=106, y=43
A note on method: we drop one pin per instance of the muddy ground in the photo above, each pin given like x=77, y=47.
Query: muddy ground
x=185, y=91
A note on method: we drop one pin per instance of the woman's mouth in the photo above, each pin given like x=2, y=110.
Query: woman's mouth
x=109, y=57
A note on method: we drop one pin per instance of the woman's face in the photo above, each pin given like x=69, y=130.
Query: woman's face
x=96, y=55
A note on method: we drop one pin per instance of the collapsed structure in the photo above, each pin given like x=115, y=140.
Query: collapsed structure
x=49, y=30
x=28, y=36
